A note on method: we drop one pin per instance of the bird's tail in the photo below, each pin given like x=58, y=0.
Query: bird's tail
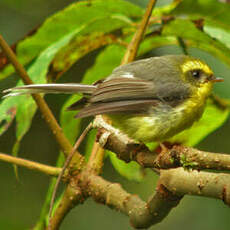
x=51, y=88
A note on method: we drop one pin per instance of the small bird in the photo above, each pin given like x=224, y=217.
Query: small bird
x=149, y=100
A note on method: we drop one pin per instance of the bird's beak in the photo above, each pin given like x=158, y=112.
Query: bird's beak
x=215, y=79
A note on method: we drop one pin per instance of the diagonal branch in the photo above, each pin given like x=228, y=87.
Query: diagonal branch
x=43, y=107
x=132, y=49
x=142, y=214
x=71, y=197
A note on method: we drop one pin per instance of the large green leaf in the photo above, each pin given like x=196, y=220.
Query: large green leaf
x=194, y=37
x=70, y=21
x=24, y=104
x=211, y=10
x=214, y=13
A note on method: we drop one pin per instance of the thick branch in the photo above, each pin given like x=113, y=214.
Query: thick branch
x=186, y=156
x=181, y=181
x=49, y=170
x=141, y=214
x=127, y=150
x=71, y=197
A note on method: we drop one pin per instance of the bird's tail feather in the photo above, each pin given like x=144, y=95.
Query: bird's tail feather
x=50, y=88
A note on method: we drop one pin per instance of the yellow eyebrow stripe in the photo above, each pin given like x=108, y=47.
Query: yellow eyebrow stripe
x=195, y=64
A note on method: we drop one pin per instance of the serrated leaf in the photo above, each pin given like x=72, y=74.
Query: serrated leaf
x=93, y=35
x=73, y=18
x=131, y=170
x=24, y=104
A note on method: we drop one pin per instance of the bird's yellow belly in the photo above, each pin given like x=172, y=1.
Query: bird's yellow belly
x=161, y=123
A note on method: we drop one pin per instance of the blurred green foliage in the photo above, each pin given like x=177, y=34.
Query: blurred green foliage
x=66, y=41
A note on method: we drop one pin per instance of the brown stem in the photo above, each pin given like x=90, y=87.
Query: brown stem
x=67, y=162
x=95, y=163
x=71, y=197
x=141, y=214
x=132, y=49
x=49, y=170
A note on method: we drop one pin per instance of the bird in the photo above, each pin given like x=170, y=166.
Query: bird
x=150, y=99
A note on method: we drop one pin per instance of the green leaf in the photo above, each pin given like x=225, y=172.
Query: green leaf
x=218, y=33
x=92, y=36
x=211, y=10
x=194, y=37
x=213, y=117
x=24, y=104
x=69, y=124
x=105, y=62
x=131, y=170
x=215, y=14
x=72, y=20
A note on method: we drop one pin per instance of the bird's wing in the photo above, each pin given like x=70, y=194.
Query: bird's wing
x=119, y=89
x=129, y=95
x=128, y=106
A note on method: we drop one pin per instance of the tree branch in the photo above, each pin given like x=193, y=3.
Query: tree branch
x=182, y=181
x=71, y=197
x=49, y=170
x=95, y=162
x=65, y=166
x=185, y=156
x=128, y=150
x=141, y=214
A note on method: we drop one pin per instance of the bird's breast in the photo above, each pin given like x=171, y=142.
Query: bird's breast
x=161, y=123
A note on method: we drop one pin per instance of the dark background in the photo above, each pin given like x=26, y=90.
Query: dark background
x=21, y=201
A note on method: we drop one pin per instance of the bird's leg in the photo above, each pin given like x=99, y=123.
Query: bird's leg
x=163, y=147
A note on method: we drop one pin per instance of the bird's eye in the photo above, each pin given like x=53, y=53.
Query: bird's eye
x=196, y=73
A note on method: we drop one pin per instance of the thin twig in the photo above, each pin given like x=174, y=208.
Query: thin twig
x=132, y=49
x=66, y=164
x=49, y=170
